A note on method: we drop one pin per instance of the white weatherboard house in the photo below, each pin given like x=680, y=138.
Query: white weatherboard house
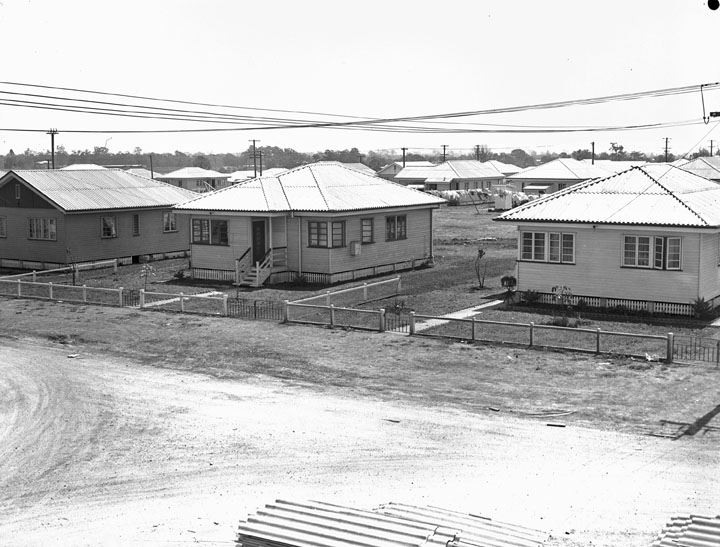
x=647, y=238
x=322, y=222
x=555, y=175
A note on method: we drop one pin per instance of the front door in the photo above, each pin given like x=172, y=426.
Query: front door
x=258, y=240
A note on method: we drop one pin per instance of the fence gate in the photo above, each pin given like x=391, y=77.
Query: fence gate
x=695, y=348
x=397, y=321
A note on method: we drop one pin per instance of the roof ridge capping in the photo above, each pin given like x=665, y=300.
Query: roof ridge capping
x=673, y=194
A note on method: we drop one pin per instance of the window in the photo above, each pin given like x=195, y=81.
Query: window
x=367, y=233
x=666, y=252
x=554, y=247
x=338, y=234
x=209, y=232
x=169, y=224
x=3, y=227
x=108, y=227
x=42, y=228
x=562, y=185
x=317, y=234
x=17, y=191
x=136, y=225
x=395, y=228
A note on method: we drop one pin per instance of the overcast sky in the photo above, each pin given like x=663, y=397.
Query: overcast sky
x=372, y=59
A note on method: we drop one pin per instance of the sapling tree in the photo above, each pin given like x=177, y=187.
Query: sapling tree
x=480, y=268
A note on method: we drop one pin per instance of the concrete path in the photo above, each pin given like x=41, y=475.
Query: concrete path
x=460, y=314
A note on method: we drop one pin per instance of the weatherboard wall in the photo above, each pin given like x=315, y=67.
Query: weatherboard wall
x=598, y=269
x=18, y=246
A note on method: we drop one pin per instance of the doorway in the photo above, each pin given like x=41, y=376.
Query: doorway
x=258, y=240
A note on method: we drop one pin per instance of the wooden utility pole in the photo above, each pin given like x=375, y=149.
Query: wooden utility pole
x=52, y=134
x=444, y=153
x=711, y=147
x=666, y=148
x=260, y=154
x=152, y=171
x=593, y=152
x=477, y=152
x=254, y=157
x=403, y=151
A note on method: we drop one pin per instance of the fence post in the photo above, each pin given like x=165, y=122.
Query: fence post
x=34, y=276
x=364, y=291
x=532, y=326
x=142, y=298
x=717, y=354
x=397, y=290
x=597, y=341
x=19, y=291
x=332, y=316
x=254, y=309
x=327, y=298
x=50, y=292
x=120, y=295
x=472, y=330
x=286, y=311
x=85, y=294
x=412, y=323
x=225, y=304
x=115, y=265
x=670, y=347
x=182, y=302
x=381, y=326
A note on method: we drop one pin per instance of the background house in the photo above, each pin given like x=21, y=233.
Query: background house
x=323, y=222
x=391, y=169
x=506, y=169
x=706, y=166
x=555, y=175
x=452, y=175
x=50, y=218
x=196, y=179
x=646, y=238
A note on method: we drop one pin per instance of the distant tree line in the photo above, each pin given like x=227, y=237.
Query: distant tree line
x=273, y=156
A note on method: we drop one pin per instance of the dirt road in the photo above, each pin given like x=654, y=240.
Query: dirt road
x=101, y=451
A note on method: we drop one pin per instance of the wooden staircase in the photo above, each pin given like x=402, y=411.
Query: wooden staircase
x=248, y=274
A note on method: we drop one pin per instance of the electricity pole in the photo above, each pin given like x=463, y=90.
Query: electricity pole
x=444, y=154
x=593, y=152
x=666, y=148
x=52, y=134
x=711, y=146
x=254, y=157
x=477, y=152
x=152, y=172
x=403, y=150
x=260, y=154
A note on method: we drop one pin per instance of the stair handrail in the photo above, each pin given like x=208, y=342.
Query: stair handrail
x=263, y=266
x=242, y=265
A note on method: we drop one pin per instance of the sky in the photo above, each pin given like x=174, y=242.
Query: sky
x=366, y=60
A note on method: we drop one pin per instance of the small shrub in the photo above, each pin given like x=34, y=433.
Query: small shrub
x=531, y=297
x=179, y=275
x=702, y=309
x=581, y=305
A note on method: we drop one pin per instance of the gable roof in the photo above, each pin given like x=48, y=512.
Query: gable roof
x=81, y=166
x=193, y=173
x=708, y=167
x=317, y=187
x=504, y=168
x=615, y=166
x=357, y=166
x=561, y=169
x=99, y=189
x=650, y=195
x=396, y=165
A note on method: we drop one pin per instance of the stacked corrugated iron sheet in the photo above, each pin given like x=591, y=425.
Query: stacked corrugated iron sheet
x=319, y=524
x=690, y=531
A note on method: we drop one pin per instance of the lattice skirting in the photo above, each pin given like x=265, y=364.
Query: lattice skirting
x=671, y=308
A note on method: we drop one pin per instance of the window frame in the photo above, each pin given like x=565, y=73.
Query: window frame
x=317, y=234
x=395, y=227
x=136, y=225
x=207, y=231
x=111, y=223
x=659, y=257
x=3, y=227
x=172, y=218
x=363, y=222
x=338, y=225
x=39, y=226
x=550, y=247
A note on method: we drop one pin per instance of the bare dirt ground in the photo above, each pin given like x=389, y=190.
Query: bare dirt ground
x=105, y=443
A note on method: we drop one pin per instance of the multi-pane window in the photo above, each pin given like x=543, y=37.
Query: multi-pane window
x=169, y=224
x=108, y=227
x=42, y=228
x=209, y=232
x=3, y=227
x=548, y=247
x=395, y=227
x=17, y=191
x=666, y=252
x=136, y=225
x=367, y=235
x=317, y=234
x=338, y=234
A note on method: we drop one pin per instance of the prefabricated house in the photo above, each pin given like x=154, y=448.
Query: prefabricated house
x=555, y=175
x=704, y=166
x=452, y=175
x=322, y=222
x=196, y=179
x=50, y=218
x=647, y=238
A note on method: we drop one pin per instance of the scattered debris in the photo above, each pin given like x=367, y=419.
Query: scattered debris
x=73, y=355
x=554, y=424
x=494, y=409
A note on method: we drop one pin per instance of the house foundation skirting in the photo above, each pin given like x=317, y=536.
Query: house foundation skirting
x=17, y=264
x=647, y=306
x=315, y=278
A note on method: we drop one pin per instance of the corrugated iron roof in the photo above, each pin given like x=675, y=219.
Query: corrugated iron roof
x=357, y=166
x=193, y=173
x=450, y=170
x=708, y=167
x=100, y=189
x=81, y=166
x=504, y=168
x=690, y=531
x=651, y=195
x=561, y=169
x=615, y=166
x=317, y=187
x=319, y=524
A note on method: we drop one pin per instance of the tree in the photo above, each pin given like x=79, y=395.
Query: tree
x=617, y=151
x=480, y=268
x=10, y=160
x=202, y=162
x=581, y=154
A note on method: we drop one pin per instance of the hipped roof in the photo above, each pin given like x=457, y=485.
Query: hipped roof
x=650, y=195
x=561, y=169
x=99, y=189
x=193, y=173
x=317, y=187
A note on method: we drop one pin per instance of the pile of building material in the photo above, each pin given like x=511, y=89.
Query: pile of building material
x=319, y=524
x=690, y=531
